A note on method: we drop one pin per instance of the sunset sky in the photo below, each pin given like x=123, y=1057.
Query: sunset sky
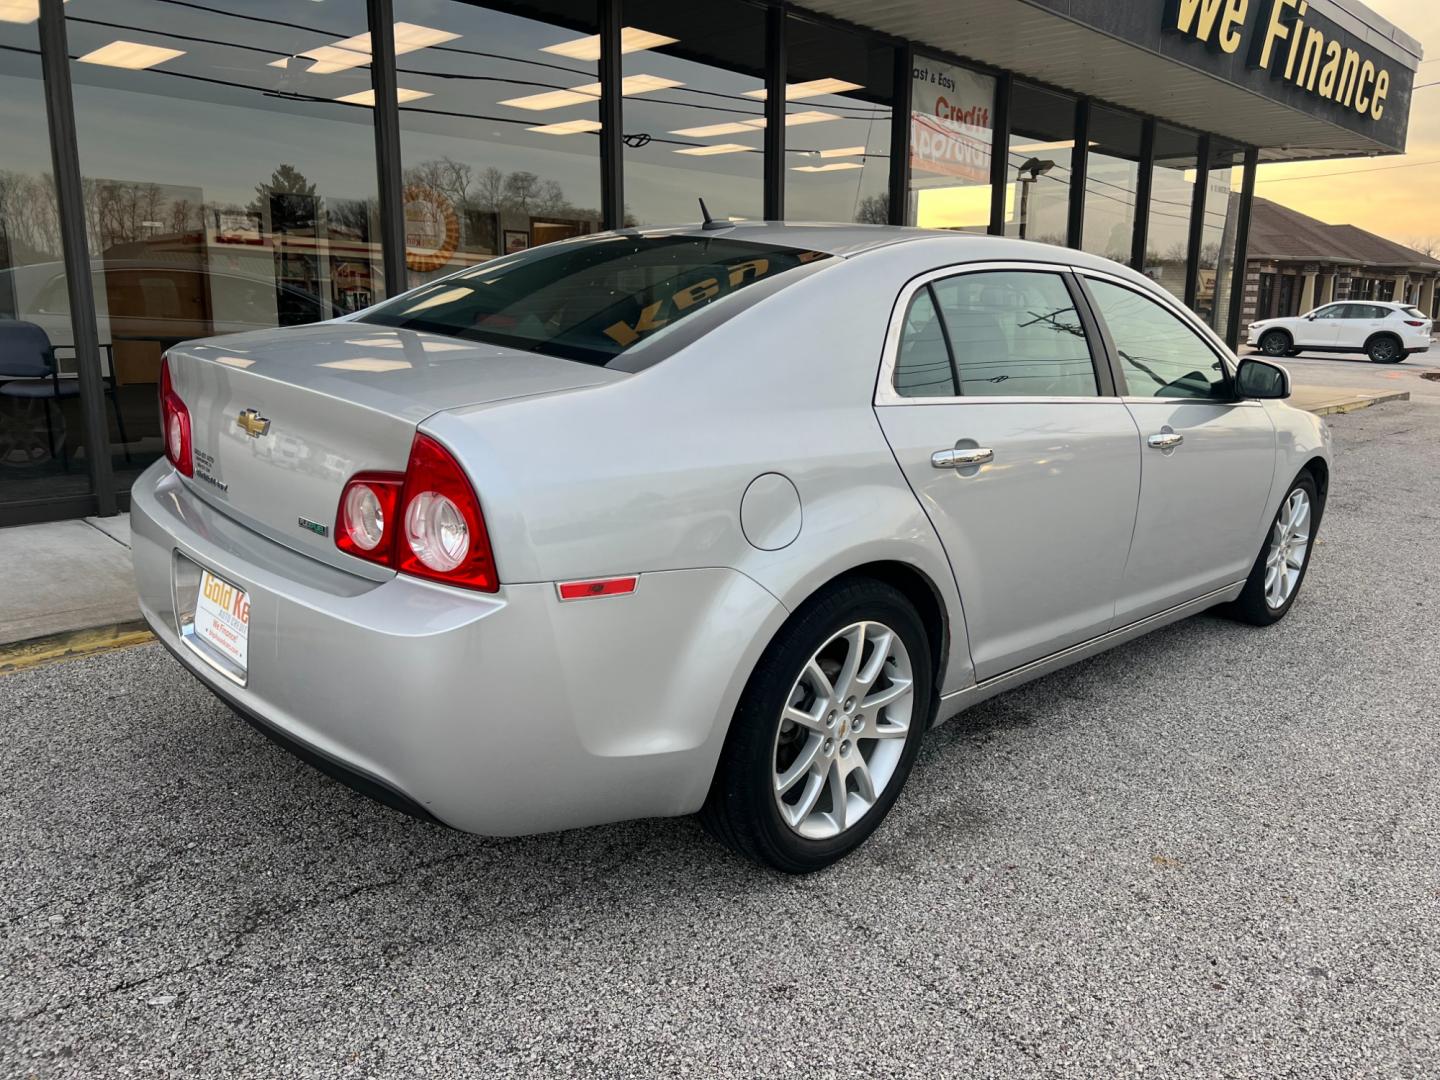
x=1401, y=203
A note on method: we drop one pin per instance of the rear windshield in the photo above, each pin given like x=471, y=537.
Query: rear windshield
x=589, y=301
x=1415, y=312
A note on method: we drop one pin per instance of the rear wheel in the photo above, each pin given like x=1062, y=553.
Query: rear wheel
x=1279, y=571
x=1384, y=350
x=1275, y=343
x=826, y=732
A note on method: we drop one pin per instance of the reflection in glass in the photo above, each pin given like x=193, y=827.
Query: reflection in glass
x=1221, y=232
x=229, y=171
x=1037, y=187
x=499, y=131
x=1172, y=194
x=1112, y=177
x=837, y=124
x=694, y=113
x=951, y=145
x=42, y=445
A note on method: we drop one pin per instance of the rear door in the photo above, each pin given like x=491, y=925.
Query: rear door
x=1207, y=459
x=1006, y=424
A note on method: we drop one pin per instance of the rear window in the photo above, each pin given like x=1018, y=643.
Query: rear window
x=589, y=301
x=1416, y=313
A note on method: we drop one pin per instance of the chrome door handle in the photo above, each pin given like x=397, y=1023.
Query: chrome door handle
x=961, y=459
x=1166, y=440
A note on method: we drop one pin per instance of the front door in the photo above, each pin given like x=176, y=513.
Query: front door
x=1029, y=474
x=1206, y=460
x=1323, y=331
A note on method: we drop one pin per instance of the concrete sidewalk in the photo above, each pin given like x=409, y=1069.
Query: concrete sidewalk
x=74, y=576
x=65, y=576
x=1327, y=400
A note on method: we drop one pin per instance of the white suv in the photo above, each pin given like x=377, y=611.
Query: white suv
x=1385, y=332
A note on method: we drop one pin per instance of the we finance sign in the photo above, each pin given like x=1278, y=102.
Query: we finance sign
x=951, y=126
x=1292, y=43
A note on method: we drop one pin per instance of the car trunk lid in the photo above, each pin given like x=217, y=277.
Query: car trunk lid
x=282, y=418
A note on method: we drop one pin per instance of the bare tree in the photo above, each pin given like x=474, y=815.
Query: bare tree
x=1429, y=246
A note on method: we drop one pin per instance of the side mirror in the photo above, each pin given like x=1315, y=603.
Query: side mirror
x=1312, y=316
x=1258, y=381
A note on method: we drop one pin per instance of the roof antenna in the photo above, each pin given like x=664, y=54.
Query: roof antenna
x=710, y=222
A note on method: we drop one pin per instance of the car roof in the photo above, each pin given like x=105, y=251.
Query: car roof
x=848, y=240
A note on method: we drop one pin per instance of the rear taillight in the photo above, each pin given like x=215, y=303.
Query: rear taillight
x=425, y=522
x=1414, y=322
x=175, y=420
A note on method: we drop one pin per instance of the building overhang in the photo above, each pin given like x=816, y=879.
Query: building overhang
x=1205, y=76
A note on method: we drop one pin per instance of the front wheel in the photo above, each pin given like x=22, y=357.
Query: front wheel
x=1275, y=343
x=1279, y=571
x=826, y=731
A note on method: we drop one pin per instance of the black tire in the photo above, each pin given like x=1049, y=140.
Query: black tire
x=1276, y=343
x=740, y=810
x=1251, y=606
x=1385, y=349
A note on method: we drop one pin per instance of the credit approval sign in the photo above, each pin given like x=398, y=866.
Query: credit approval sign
x=951, y=127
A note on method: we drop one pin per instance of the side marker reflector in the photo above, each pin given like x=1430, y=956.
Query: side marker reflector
x=588, y=590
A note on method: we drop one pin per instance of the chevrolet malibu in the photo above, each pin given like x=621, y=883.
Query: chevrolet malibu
x=714, y=519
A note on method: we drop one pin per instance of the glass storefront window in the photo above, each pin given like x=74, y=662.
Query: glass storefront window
x=694, y=111
x=499, y=131
x=228, y=158
x=1172, y=195
x=1037, y=185
x=839, y=89
x=1221, y=232
x=42, y=445
x=1112, y=179
x=952, y=138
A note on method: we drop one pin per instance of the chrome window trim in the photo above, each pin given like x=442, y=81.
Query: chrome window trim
x=885, y=392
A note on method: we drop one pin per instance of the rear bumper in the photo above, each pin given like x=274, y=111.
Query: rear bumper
x=500, y=714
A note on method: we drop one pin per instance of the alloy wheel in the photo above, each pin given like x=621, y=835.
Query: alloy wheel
x=841, y=736
x=1289, y=545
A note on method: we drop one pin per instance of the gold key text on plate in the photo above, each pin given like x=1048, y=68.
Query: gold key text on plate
x=252, y=423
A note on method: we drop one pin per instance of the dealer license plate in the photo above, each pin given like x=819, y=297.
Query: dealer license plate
x=222, y=620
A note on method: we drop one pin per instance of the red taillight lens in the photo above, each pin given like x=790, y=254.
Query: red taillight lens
x=365, y=523
x=426, y=523
x=175, y=418
x=1413, y=322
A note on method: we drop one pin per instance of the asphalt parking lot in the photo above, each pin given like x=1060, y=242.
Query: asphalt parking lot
x=1214, y=852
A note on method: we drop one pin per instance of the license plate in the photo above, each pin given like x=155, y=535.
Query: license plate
x=222, y=620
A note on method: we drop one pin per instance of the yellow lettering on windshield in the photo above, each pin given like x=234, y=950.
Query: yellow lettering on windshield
x=623, y=333
x=697, y=294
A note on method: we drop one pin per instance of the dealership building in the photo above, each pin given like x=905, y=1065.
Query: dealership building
x=182, y=168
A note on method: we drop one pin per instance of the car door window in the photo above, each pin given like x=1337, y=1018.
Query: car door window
x=1015, y=333
x=1334, y=311
x=1161, y=356
x=922, y=367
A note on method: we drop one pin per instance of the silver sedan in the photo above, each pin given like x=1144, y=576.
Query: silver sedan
x=714, y=519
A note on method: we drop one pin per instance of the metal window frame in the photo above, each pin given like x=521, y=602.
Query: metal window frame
x=1197, y=221
x=1079, y=173
x=1000, y=152
x=75, y=249
x=390, y=186
x=772, y=169
x=1144, y=188
x=1242, y=246
x=902, y=101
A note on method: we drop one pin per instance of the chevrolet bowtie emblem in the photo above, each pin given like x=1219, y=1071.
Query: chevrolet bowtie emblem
x=252, y=423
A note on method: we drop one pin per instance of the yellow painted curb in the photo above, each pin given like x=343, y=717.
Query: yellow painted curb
x=48, y=650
